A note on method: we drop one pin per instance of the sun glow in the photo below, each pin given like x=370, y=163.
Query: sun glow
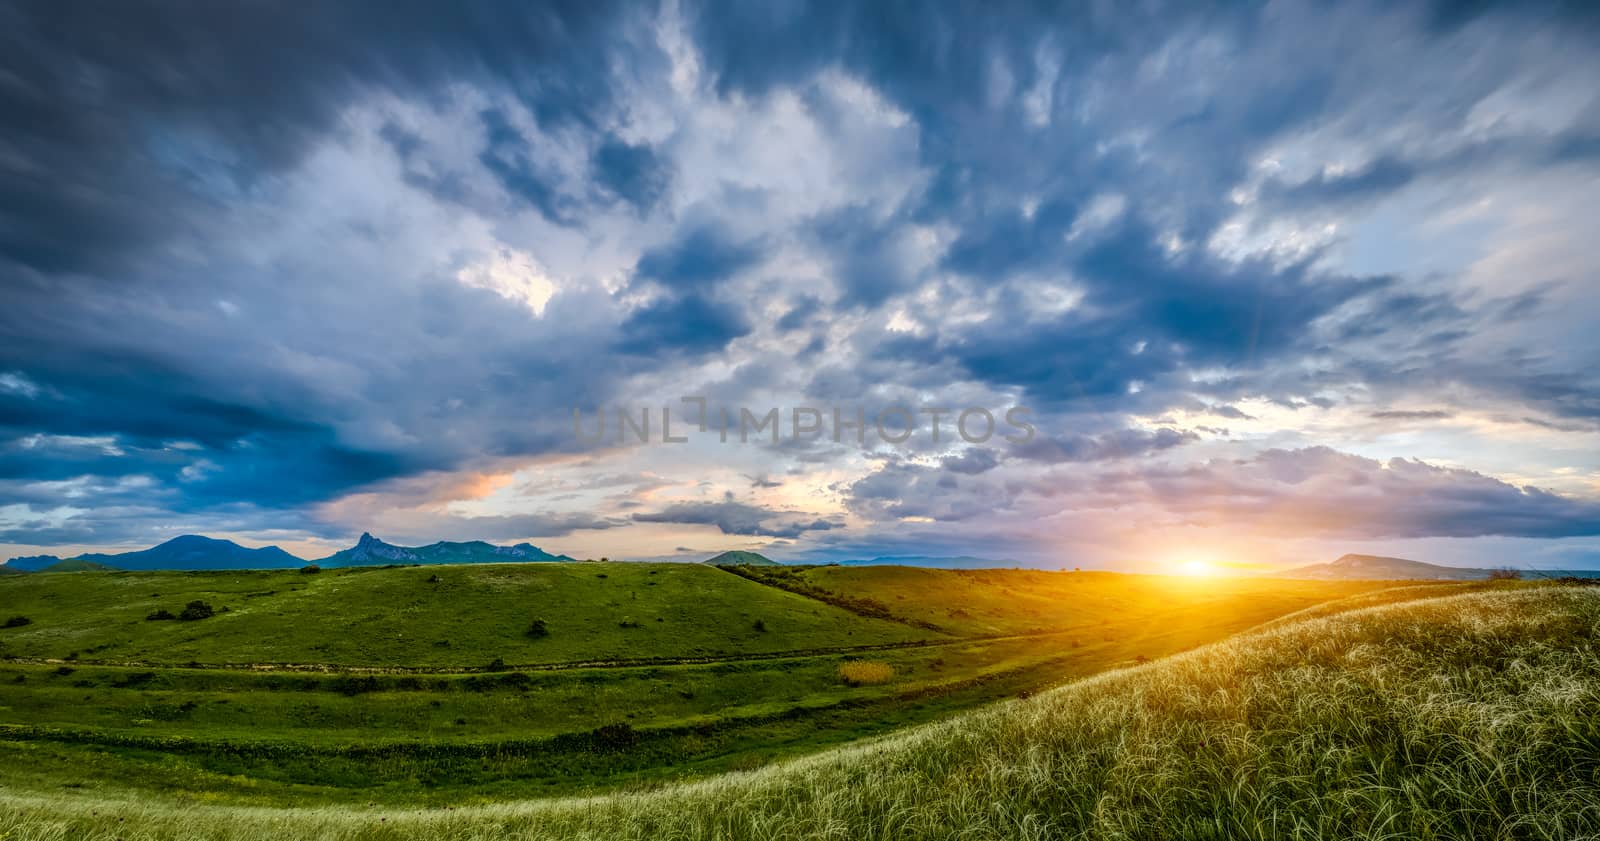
x=1196, y=568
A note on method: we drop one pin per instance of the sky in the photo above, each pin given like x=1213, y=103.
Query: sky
x=1268, y=282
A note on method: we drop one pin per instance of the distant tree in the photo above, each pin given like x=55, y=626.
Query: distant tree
x=538, y=629
x=1504, y=574
x=196, y=610
x=496, y=665
x=310, y=569
x=605, y=560
x=18, y=621
x=160, y=615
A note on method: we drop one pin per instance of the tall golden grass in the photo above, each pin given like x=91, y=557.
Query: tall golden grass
x=865, y=672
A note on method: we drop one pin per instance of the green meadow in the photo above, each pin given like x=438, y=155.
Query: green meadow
x=493, y=694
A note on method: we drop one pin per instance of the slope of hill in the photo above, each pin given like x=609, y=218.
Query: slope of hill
x=741, y=558
x=370, y=551
x=1020, y=601
x=77, y=565
x=462, y=616
x=934, y=562
x=195, y=552
x=1251, y=737
x=1376, y=567
x=30, y=563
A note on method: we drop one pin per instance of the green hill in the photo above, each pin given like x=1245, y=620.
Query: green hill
x=433, y=616
x=76, y=565
x=441, y=685
x=741, y=558
x=1450, y=717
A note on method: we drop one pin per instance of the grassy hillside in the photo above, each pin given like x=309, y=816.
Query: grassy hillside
x=379, y=685
x=981, y=602
x=739, y=557
x=462, y=616
x=1466, y=716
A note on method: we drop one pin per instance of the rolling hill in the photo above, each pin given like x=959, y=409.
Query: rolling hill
x=741, y=558
x=933, y=561
x=77, y=565
x=1334, y=723
x=1377, y=567
x=428, y=617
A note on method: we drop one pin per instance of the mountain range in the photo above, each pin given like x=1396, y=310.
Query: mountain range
x=370, y=551
x=195, y=552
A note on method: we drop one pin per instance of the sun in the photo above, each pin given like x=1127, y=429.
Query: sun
x=1195, y=568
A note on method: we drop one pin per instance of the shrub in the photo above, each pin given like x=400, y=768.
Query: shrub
x=196, y=610
x=1504, y=574
x=629, y=623
x=615, y=736
x=160, y=615
x=538, y=629
x=865, y=672
x=496, y=665
x=18, y=621
x=760, y=626
x=310, y=569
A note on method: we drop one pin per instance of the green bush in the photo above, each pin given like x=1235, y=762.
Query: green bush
x=196, y=610
x=160, y=615
x=538, y=629
x=310, y=569
x=18, y=621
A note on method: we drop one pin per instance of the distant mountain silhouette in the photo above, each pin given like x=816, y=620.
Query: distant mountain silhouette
x=741, y=558
x=1377, y=567
x=30, y=563
x=195, y=552
x=370, y=551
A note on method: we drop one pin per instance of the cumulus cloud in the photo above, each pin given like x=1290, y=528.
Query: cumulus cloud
x=408, y=251
x=731, y=517
x=1318, y=491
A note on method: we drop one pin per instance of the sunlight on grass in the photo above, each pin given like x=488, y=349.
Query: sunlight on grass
x=1469, y=716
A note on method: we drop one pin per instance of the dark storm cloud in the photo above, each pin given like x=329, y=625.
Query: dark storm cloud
x=133, y=116
x=1401, y=414
x=691, y=325
x=174, y=340
x=700, y=258
x=511, y=161
x=731, y=517
x=634, y=173
x=1109, y=446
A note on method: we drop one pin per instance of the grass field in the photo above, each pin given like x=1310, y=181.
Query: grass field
x=1465, y=716
x=430, y=685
